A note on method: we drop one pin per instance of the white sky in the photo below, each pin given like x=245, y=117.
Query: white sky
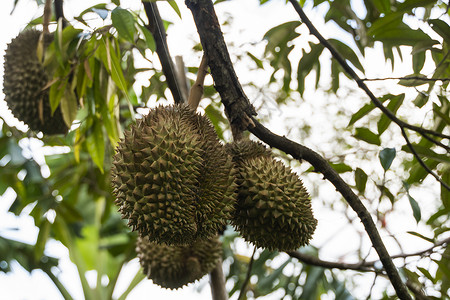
x=250, y=23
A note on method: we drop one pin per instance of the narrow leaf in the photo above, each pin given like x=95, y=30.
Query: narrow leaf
x=366, y=135
x=360, y=180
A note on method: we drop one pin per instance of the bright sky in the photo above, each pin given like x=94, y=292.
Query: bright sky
x=250, y=22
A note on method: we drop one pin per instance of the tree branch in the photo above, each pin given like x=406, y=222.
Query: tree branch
x=421, y=162
x=421, y=78
x=217, y=283
x=238, y=109
x=363, y=266
x=156, y=27
x=359, y=81
x=301, y=152
x=247, y=277
x=59, y=12
x=237, y=105
x=196, y=93
x=47, y=16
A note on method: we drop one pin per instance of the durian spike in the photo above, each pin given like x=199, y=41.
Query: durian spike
x=196, y=92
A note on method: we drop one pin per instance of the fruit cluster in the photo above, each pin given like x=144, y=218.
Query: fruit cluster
x=178, y=186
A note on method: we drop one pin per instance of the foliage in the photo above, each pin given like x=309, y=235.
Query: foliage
x=95, y=75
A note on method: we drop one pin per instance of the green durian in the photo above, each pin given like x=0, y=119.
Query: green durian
x=23, y=82
x=165, y=181
x=273, y=208
x=175, y=266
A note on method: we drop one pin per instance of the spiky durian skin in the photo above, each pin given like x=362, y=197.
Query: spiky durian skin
x=173, y=267
x=24, y=80
x=165, y=181
x=273, y=208
x=217, y=188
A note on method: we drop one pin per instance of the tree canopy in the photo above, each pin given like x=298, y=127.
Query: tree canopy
x=362, y=90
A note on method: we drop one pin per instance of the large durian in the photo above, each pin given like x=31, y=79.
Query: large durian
x=24, y=80
x=273, y=208
x=172, y=177
x=175, y=266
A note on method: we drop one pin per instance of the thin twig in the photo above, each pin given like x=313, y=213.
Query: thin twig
x=156, y=27
x=358, y=80
x=47, y=16
x=196, y=92
x=407, y=78
x=421, y=162
x=247, y=277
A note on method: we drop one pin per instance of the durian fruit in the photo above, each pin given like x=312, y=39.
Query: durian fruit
x=165, y=181
x=273, y=208
x=175, y=266
x=23, y=82
x=216, y=195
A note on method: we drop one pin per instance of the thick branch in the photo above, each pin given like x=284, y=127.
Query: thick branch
x=301, y=152
x=239, y=110
x=358, y=80
x=59, y=12
x=156, y=27
x=237, y=105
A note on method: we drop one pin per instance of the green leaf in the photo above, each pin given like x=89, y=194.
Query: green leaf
x=124, y=22
x=386, y=156
x=383, y=6
x=148, y=37
x=96, y=144
x=367, y=108
x=360, y=180
x=69, y=107
x=393, y=106
x=341, y=167
x=421, y=236
x=175, y=7
x=44, y=233
x=366, y=135
x=410, y=82
x=415, y=208
x=257, y=61
x=427, y=152
x=306, y=63
x=441, y=28
x=418, y=59
x=347, y=52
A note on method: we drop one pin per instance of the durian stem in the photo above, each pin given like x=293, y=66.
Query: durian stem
x=181, y=73
x=196, y=92
x=236, y=103
x=47, y=16
x=217, y=283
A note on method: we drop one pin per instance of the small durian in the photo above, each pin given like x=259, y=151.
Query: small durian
x=173, y=267
x=23, y=84
x=273, y=210
x=167, y=177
